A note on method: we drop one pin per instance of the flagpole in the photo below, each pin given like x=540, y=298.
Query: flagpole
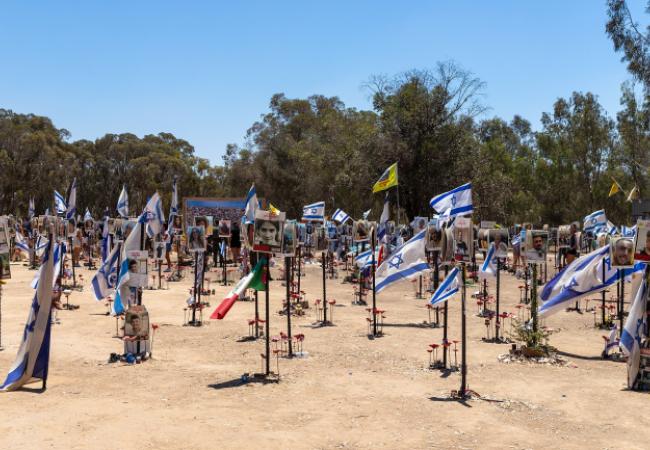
x=287, y=269
x=436, y=283
x=533, y=304
x=268, y=316
x=621, y=276
x=398, y=216
x=602, y=306
x=498, y=295
x=445, y=323
x=324, y=290
x=374, y=291
x=463, y=372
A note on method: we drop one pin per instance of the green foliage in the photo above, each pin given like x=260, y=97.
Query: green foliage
x=534, y=340
x=305, y=150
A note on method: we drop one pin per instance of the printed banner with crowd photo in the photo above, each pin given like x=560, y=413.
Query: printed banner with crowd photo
x=218, y=209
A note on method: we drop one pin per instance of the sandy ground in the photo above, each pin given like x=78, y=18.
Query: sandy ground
x=350, y=392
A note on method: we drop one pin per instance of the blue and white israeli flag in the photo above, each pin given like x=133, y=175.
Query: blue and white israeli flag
x=457, y=202
x=21, y=244
x=59, y=202
x=635, y=331
x=364, y=259
x=489, y=266
x=154, y=215
x=383, y=221
x=340, y=216
x=105, y=280
x=582, y=280
x=611, y=229
x=59, y=251
x=628, y=231
x=406, y=261
x=106, y=240
x=88, y=216
x=31, y=211
x=366, y=214
x=173, y=209
x=122, y=289
x=123, y=203
x=314, y=212
x=448, y=288
x=33, y=358
x=71, y=210
x=252, y=204
x=594, y=221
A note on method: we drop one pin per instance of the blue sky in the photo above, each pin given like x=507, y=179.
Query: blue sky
x=205, y=70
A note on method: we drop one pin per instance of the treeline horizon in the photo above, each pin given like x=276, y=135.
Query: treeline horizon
x=311, y=149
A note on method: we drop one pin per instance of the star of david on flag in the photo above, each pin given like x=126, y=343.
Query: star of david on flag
x=407, y=261
x=457, y=202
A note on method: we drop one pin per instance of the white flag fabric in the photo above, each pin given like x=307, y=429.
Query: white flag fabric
x=154, y=215
x=407, y=261
x=383, y=221
x=595, y=221
x=634, y=330
x=71, y=210
x=457, y=202
x=340, y=216
x=489, y=266
x=251, y=205
x=122, y=290
x=366, y=214
x=123, y=203
x=557, y=283
x=32, y=360
x=59, y=202
x=105, y=279
x=21, y=244
x=628, y=231
x=611, y=341
x=314, y=212
x=448, y=288
x=31, y=211
x=585, y=279
x=88, y=216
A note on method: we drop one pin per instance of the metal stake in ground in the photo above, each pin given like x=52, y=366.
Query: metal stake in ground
x=374, y=291
x=602, y=306
x=621, y=308
x=287, y=269
x=463, y=370
x=436, y=282
x=323, y=258
x=444, y=329
x=268, y=316
x=498, y=294
x=533, y=304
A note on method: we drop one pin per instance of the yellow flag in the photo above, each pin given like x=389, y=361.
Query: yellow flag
x=614, y=189
x=273, y=209
x=387, y=180
x=634, y=194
